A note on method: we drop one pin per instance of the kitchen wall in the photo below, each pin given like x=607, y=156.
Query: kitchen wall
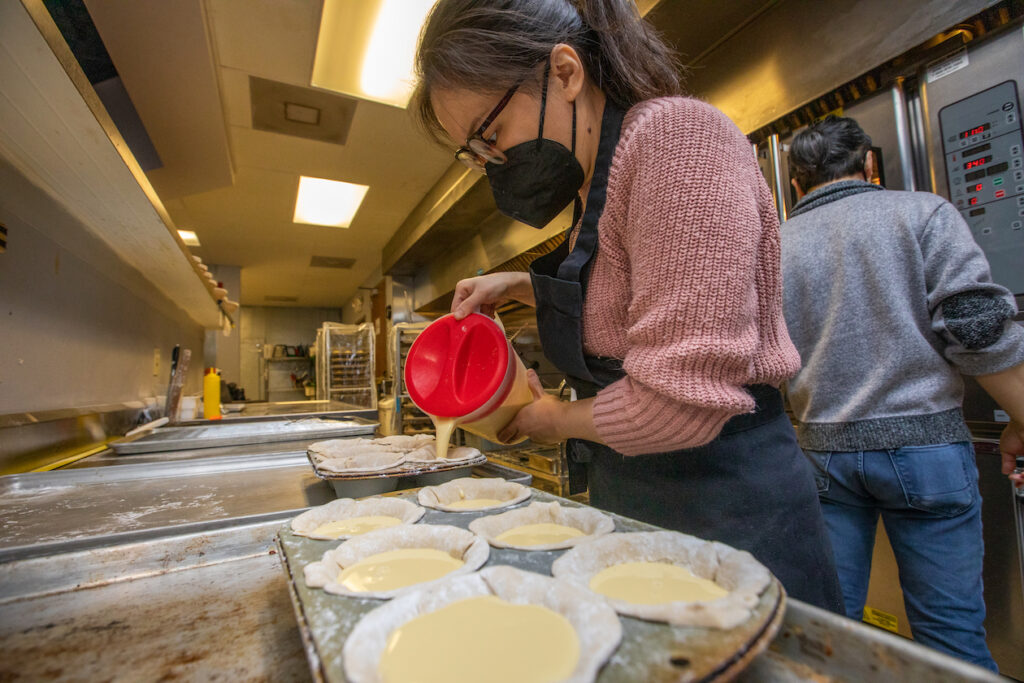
x=280, y=325
x=357, y=309
x=78, y=326
x=261, y=326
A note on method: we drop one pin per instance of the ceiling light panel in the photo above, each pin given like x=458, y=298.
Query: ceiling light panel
x=189, y=238
x=327, y=202
x=366, y=47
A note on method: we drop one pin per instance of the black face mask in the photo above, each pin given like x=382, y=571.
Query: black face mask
x=539, y=178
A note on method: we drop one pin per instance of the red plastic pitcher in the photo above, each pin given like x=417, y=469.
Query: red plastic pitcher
x=465, y=372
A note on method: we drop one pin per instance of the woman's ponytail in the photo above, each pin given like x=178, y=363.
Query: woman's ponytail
x=489, y=45
x=631, y=63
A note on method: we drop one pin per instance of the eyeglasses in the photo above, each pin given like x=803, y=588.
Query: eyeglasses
x=477, y=151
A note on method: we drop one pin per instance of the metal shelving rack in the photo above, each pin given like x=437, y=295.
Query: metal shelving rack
x=406, y=417
x=345, y=364
x=280, y=366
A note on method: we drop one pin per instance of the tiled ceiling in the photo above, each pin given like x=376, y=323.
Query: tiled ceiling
x=240, y=201
x=188, y=65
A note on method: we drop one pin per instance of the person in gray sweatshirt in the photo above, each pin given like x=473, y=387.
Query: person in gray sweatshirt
x=889, y=301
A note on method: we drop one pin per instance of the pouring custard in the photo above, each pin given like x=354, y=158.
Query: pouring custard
x=464, y=373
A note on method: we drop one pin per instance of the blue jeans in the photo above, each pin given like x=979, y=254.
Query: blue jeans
x=929, y=501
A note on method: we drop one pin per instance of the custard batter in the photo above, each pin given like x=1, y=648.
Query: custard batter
x=443, y=428
x=482, y=639
x=538, y=534
x=653, y=583
x=397, y=569
x=355, y=526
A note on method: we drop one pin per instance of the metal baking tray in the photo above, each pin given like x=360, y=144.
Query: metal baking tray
x=811, y=645
x=648, y=651
x=240, y=434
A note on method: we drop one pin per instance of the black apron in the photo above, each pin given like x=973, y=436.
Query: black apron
x=750, y=488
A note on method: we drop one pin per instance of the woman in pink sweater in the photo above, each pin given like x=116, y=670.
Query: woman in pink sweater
x=663, y=305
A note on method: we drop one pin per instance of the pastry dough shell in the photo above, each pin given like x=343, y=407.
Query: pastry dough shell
x=439, y=497
x=347, y=508
x=401, y=443
x=457, y=542
x=598, y=629
x=734, y=570
x=362, y=462
x=404, y=442
x=338, y=448
x=588, y=520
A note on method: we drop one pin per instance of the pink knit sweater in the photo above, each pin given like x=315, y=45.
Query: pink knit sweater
x=685, y=285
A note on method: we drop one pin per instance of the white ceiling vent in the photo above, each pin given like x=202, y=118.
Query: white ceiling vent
x=332, y=262
x=302, y=112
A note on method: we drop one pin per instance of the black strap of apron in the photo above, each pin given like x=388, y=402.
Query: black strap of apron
x=559, y=278
x=586, y=243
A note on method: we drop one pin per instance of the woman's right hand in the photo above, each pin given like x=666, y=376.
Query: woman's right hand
x=483, y=294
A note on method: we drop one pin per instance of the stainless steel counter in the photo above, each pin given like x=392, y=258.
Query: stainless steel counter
x=109, y=457
x=217, y=433
x=167, y=570
x=44, y=513
x=257, y=412
x=192, y=606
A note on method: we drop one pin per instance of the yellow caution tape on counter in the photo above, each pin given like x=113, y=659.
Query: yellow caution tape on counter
x=71, y=459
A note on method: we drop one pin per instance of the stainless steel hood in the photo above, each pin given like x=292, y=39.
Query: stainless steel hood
x=451, y=212
x=755, y=59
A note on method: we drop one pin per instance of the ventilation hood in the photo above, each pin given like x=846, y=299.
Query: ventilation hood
x=456, y=232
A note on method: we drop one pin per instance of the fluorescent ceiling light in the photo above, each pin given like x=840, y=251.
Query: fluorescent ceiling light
x=365, y=48
x=189, y=237
x=327, y=202
x=387, y=65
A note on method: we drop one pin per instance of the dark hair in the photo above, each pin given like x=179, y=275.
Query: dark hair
x=832, y=148
x=490, y=45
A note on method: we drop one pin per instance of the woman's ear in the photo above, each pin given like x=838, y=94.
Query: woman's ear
x=869, y=165
x=567, y=68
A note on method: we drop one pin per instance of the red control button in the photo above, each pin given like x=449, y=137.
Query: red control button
x=1000, y=194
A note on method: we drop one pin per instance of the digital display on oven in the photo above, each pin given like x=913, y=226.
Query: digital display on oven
x=980, y=161
x=977, y=130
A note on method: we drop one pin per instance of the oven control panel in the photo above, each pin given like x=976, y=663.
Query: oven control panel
x=982, y=145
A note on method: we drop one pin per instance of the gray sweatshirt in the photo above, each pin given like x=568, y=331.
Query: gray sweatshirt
x=888, y=299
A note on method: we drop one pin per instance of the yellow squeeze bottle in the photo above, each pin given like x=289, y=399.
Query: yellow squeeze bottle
x=211, y=394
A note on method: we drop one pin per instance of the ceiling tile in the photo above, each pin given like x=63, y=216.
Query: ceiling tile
x=274, y=39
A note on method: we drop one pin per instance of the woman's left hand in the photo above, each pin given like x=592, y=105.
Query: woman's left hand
x=541, y=421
